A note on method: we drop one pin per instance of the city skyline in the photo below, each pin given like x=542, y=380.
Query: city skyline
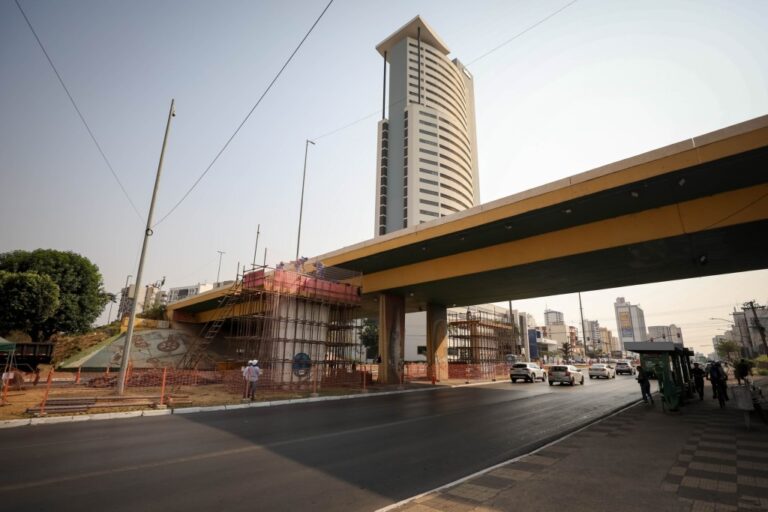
x=555, y=95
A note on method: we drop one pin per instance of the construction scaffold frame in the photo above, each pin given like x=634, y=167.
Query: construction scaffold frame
x=303, y=328
x=479, y=336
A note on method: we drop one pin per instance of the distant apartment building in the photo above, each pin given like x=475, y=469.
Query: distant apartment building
x=750, y=328
x=630, y=322
x=717, y=340
x=665, y=333
x=592, y=336
x=607, y=339
x=427, y=147
x=152, y=296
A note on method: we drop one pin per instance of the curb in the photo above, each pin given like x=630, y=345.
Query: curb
x=540, y=445
x=50, y=420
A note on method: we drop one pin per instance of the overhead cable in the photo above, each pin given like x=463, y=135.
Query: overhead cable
x=242, y=123
x=80, y=114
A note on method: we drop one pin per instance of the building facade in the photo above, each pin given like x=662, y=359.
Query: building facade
x=750, y=329
x=630, y=322
x=665, y=333
x=427, y=146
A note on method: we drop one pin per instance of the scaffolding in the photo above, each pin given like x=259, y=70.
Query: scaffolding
x=479, y=336
x=302, y=327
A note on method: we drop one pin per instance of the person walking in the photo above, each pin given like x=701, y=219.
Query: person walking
x=717, y=377
x=742, y=370
x=645, y=384
x=698, y=380
x=251, y=373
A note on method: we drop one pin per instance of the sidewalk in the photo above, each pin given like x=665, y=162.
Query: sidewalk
x=699, y=459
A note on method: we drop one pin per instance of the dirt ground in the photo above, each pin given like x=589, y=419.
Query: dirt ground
x=18, y=401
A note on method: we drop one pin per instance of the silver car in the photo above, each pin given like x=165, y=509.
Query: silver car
x=527, y=371
x=565, y=374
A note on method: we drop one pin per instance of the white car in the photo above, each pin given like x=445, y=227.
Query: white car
x=605, y=371
x=527, y=371
x=565, y=374
x=624, y=367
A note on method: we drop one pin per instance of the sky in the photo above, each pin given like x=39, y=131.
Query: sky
x=597, y=82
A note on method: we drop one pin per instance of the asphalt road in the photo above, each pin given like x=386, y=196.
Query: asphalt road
x=359, y=454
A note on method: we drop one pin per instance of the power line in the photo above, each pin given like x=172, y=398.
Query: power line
x=528, y=29
x=74, y=104
x=231, y=138
x=525, y=31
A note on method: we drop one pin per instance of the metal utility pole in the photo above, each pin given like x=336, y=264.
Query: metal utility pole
x=256, y=247
x=301, y=204
x=218, y=272
x=147, y=234
x=583, y=328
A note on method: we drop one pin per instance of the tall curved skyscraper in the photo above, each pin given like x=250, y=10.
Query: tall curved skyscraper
x=427, y=147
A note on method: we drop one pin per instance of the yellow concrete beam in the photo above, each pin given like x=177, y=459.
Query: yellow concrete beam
x=726, y=209
x=723, y=143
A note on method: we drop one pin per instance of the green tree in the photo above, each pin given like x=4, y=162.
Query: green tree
x=369, y=337
x=566, y=350
x=27, y=300
x=728, y=349
x=81, y=295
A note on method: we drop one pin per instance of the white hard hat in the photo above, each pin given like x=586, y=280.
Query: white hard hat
x=255, y=361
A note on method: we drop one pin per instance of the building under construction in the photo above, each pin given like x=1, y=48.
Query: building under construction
x=301, y=327
x=481, y=335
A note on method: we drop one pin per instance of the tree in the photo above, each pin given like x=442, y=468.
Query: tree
x=81, y=295
x=728, y=349
x=27, y=300
x=566, y=350
x=369, y=337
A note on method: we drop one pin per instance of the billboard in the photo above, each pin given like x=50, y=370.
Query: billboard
x=625, y=324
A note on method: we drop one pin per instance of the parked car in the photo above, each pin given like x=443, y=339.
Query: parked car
x=527, y=371
x=605, y=371
x=623, y=367
x=565, y=373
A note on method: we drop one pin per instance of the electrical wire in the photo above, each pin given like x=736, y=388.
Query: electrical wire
x=519, y=34
x=242, y=123
x=79, y=113
x=523, y=32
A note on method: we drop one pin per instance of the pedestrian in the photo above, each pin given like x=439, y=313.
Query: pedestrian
x=645, y=384
x=252, y=373
x=698, y=380
x=742, y=370
x=718, y=376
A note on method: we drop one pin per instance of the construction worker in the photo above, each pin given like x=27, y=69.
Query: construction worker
x=251, y=374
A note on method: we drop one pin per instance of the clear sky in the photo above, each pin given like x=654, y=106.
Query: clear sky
x=598, y=82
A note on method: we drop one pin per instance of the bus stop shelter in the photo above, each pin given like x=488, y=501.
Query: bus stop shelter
x=669, y=363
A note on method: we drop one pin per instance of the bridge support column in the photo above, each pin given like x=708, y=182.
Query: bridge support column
x=391, y=338
x=437, y=341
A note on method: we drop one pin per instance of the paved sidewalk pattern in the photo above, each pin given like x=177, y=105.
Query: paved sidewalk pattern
x=700, y=459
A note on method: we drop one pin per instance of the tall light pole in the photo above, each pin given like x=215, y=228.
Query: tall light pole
x=218, y=272
x=301, y=204
x=147, y=234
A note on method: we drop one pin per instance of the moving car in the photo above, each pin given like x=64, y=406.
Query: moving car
x=565, y=373
x=599, y=370
x=527, y=371
x=624, y=367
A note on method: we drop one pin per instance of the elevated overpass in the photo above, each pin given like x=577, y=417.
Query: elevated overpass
x=695, y=208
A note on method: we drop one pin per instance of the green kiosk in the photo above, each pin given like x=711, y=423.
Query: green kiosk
x=669, y=364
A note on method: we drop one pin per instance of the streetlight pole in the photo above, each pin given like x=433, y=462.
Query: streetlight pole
x=301, y=204
x=218, y=272
x=147, y=234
